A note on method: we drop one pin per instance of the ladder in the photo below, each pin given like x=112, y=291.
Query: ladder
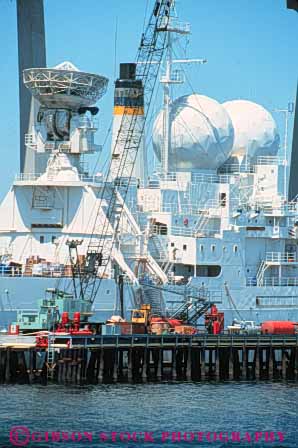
x=161, y=253
x=260, y=274
x=51, y=364
x=154, y=298
x=201, y=223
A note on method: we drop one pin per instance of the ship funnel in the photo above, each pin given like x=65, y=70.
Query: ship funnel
x=128, y=71
x=128, y=106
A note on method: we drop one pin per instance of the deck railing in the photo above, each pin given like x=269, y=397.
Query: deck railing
x=273, y=281
x=281, y=257
x=32, y=177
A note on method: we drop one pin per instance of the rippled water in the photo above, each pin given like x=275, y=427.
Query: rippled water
x=156, y=408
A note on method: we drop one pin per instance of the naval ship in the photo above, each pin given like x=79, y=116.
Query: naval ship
x=213, y=218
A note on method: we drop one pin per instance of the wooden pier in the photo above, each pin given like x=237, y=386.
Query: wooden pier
x=100, y=359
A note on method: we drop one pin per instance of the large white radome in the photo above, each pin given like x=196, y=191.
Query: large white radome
x=202, y=134
x=254, y=128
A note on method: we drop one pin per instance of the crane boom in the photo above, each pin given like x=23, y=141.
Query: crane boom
x=148, y=60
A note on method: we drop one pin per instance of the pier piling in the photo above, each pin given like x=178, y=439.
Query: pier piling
x=147, y=357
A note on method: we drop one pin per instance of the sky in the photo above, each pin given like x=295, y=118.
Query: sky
x=251, y=48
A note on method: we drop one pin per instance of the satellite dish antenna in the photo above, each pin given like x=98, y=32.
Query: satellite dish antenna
x=64, y=86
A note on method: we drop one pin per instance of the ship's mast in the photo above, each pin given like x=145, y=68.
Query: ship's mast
x=172, y=76
x=287, y=112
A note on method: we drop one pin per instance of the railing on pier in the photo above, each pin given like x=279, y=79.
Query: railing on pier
x=97, y=358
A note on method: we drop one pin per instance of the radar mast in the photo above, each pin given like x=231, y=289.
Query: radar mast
x=170, y=77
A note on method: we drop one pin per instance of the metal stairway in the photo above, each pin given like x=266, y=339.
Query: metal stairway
x=260, y=274
x=154, y=297
x=161, y=254
x=196, y=302
x=191, y=310
x=200, y=225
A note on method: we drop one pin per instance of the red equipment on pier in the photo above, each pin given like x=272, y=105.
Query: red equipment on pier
x=214, y=321
x=279, y=327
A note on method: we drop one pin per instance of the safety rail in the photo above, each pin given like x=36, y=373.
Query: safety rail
x=34, y=271
x=210, y=178
x=180, y=231
x=184, y=231
x=32, y=177
x=235, y=168
x=269, y=160
x=175, y=25
x=202, y=339
x=273, y=281
x=195, y=178
x=47, y=272
x=281, y=257
x=280, y=208
x=153, y=204
x=189, y=209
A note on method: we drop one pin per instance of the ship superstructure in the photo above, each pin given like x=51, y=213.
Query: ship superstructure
x=215, y=210
x=42, y=211
x=212, y=220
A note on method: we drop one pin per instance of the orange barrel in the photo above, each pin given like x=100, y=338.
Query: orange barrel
x=278, y=327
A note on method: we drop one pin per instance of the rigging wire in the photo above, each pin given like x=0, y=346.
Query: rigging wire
x=115, y=48
x=145, y=15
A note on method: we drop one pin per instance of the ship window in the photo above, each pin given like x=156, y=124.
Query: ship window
x=223, y=199
x=54, y=239
x=41, y=239
x=213, y=247
x=108, y=291
x=201, y=247
x=208, y=270
x=235, y=249
x=189, y=268
x=184, y=246
x=172, y=244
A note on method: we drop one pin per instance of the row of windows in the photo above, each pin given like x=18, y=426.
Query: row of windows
x=42, y=239
x=213, y=247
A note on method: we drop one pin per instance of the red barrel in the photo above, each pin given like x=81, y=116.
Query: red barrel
x=65, y=318
x=77, y=317
x=278, y=327
x=14, y=329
